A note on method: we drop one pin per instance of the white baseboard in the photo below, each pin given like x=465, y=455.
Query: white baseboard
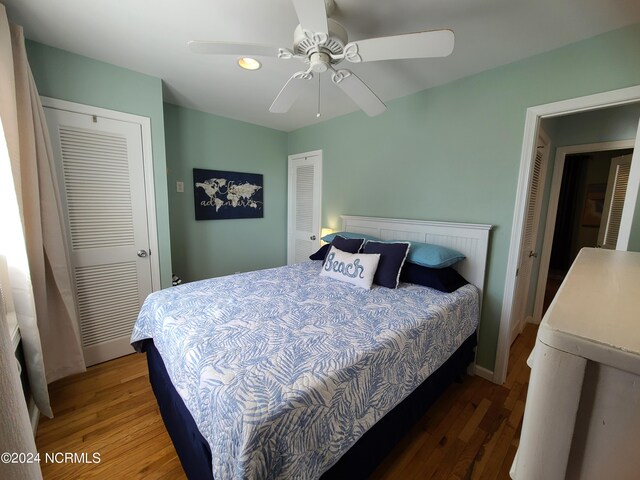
x=34, y=416
x=483, y=372
x=531, y=320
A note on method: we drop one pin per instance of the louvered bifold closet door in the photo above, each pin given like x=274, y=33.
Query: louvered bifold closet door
x=614, y=201
x=100, y=164
x=533, y=214
x=304, y=212
x=304, y=207
x=529, y=237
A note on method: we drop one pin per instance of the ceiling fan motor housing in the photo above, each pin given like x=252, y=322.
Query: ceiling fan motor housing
x=319, y=62
x=307, y=43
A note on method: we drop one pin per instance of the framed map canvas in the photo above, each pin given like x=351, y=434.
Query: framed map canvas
x=223, y=195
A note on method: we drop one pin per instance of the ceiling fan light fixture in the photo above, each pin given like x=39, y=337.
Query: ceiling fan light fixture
x=249, y=63
x=323, y=44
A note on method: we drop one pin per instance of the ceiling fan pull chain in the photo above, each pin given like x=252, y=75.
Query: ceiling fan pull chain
x=318, y=114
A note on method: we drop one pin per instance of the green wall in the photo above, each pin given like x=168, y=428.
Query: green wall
x=453, y=152
x=67, y=76
x=211, y=248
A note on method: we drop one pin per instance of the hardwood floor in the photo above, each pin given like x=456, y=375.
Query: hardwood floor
x=471, y=432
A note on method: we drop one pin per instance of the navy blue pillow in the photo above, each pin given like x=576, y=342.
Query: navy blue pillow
x=444, y=279
x=321, y=253
x=349, y=245
x=392, y=257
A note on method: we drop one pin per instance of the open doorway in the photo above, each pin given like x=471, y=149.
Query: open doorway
x=540, y=117
x=570, y=203
x=591, y=182
x=585, y=146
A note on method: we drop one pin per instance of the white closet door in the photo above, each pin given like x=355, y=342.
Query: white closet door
x=529, y=238
x=614, y=201
x=101, y=171
x=305, y=190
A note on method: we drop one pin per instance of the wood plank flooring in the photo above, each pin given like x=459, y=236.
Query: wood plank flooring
x=471, y=432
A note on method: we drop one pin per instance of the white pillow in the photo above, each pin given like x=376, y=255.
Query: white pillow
x=355, y=268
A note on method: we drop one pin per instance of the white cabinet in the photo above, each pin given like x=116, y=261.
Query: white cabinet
x=582, y=414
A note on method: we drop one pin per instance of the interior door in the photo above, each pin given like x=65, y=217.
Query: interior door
x=101, y=171
x=614, y=201
x=304, y=200
x=528, y=252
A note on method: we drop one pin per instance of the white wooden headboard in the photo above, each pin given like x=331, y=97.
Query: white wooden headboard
x=470, y=239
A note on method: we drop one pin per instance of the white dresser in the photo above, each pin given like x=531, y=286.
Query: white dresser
x=582, y=414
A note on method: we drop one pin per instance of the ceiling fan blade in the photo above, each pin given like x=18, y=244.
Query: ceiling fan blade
x=362, y=95
x=312, y=15
x=226, y=48
x=290, y=92
x=434, y=43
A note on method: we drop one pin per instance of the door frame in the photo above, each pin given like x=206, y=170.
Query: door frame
x=290, y=198
x=147, y=158
x=534, y=116
x=552, y=211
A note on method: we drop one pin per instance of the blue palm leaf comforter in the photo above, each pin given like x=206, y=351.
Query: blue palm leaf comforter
x=283, y=370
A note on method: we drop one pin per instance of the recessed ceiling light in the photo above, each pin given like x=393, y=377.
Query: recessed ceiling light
x=249, y=63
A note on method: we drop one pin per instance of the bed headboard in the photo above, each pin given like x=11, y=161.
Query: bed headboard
x=468, y=238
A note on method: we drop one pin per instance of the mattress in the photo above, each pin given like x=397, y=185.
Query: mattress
x=283, y=370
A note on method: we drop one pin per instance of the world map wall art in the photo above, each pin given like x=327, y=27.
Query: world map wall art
x=225, y=195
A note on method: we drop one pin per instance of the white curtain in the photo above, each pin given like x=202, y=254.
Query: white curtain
x=16, y=434
x=41, y=289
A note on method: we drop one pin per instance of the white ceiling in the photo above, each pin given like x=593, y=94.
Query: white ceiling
x=150, y=36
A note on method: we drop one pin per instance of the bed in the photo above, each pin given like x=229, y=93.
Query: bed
x=283, y=373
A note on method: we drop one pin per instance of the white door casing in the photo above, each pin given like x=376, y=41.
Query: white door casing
x=528, y=253
x=104, y=187
x=614, y=202
x=533, y=117
x=304, y=205
x=631, y=197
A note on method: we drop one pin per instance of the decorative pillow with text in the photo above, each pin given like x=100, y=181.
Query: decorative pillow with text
x=355, y=268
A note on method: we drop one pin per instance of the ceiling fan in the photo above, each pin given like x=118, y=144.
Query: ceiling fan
x=322, y=44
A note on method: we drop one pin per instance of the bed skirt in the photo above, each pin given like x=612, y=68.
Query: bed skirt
x=359, y=461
